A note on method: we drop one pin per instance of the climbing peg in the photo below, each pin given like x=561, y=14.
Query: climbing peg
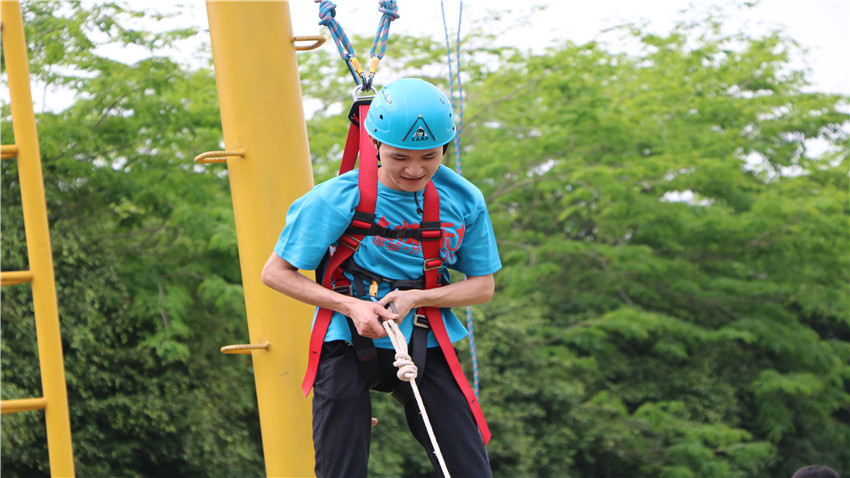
x=245, y=348
x=318, y=40
x=217, y=156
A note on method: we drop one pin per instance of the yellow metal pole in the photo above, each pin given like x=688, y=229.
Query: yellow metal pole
x=262, y=115
x=38, y=244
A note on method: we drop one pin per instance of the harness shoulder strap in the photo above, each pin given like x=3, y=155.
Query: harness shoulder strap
x=358, y=142
x=433, y=262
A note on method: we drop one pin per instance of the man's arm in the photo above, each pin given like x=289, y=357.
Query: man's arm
x=473, y=290
x=283, y=277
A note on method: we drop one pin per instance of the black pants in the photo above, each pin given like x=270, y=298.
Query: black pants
x=342, y=415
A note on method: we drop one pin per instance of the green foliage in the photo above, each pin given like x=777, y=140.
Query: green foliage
x=715, y=327
x=145, y=259
x=674, y=295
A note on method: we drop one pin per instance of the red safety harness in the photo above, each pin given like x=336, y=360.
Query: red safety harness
x=429, y=234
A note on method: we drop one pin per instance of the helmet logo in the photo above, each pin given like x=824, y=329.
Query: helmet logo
x=419, y=131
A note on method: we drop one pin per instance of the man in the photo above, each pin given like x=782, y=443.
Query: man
x=410, y=123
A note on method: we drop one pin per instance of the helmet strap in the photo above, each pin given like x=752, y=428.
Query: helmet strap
x=418, y=207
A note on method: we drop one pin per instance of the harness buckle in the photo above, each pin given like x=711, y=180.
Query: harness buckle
x=360, y=97
x=430, y=231
x=350, y=242
x=421, y=320
x=344, y=289
x=433, y=263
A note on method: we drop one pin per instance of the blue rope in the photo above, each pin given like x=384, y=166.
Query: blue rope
x=389, y=9
x=327, y=14
x=457, y=142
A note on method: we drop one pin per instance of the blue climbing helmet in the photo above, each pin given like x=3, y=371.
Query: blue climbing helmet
x=411, y=113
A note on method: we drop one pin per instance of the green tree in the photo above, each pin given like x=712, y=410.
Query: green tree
x=145, y=258
x=674, y=298
x=673, y=301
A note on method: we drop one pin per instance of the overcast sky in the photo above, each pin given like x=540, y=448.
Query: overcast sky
x=822, y=26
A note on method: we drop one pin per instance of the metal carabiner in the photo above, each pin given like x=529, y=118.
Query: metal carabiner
x=357, y=96
x=359, y=99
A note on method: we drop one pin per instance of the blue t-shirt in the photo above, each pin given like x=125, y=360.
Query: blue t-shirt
x=319, y=218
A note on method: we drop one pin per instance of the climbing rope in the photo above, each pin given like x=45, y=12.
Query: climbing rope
x=407, y=372
x=452, y=77
x=457, y=142
x=327, y=17
x=389, y=12
x=327, y=14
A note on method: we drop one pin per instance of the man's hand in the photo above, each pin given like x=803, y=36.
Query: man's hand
x=472, y=290
x=367, y=317
x=404, y=301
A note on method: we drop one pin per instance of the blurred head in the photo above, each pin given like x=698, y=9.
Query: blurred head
x=815, y=471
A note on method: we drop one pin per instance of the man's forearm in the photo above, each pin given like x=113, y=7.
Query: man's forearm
x=471, y=291
x=282, y=277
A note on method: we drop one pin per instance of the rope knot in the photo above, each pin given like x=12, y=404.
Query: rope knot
x=327, y=12
x=388, y=8
x=407, y=370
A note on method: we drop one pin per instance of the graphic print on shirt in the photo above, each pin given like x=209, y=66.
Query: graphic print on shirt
x=451, y=240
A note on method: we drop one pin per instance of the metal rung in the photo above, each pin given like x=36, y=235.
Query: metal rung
x=8, y=151
x=244, y=348
x=22, y=405
x=217, y=156
x=15, y=277
x=318, y=40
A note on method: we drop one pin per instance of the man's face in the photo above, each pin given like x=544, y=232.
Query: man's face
x=408, y=169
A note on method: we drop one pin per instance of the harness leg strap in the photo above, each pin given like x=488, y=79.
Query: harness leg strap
x=439, y=328
x=419, y=342
x=367, y=354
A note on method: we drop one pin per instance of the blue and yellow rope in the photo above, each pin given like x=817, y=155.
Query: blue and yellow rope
x=327, y=17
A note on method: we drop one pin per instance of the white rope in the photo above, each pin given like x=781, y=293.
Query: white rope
x=407, y=371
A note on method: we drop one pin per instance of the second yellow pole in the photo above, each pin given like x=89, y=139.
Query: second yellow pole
x=261, y=113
